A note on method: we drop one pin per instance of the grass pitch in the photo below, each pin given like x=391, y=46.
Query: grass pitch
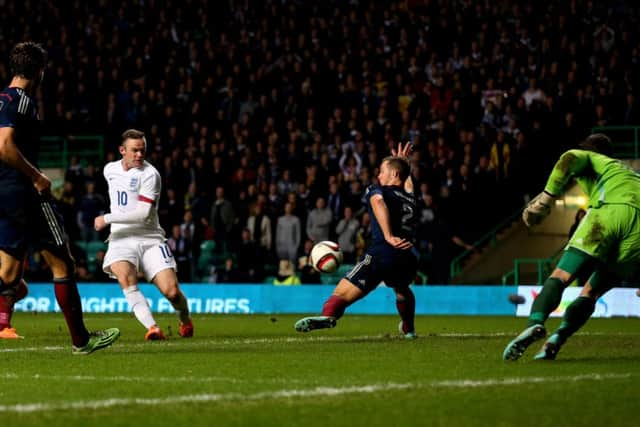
x=257, y=371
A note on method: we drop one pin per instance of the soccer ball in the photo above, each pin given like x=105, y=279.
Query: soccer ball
x=326, y=256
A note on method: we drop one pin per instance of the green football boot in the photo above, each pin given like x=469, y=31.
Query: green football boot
x=550, y=348
x=516, y=348
x=98, y=340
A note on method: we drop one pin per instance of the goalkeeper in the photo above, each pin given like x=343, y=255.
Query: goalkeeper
x=604, y=249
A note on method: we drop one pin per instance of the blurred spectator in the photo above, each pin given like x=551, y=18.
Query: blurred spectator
x=334, y=200
x=259, y=226
x=319, y=221
x=286, y=274
x=347, y=230
x=250, y=258
x=308, y=274
x=288, y=234
x=222, y=218
x=67, y=203
x=229, y=273
x=180, y=244
x=90, y=206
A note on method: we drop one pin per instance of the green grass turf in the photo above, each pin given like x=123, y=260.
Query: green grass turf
x=257, y=371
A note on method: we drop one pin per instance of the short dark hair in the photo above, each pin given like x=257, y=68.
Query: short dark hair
x=400, y=165
x=599, y=143
x=27, y=59
x=132, y=134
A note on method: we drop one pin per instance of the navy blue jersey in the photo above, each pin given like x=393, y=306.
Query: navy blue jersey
x=381, y=262
x=403, y=213
x=18, y=110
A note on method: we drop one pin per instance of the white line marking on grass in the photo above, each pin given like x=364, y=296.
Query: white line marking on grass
x=147, y=379
x=45, y=348
x=214, y=342
x=304, y=393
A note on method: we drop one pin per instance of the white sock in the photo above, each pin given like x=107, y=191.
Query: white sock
x=181, y=305
x=139, y=305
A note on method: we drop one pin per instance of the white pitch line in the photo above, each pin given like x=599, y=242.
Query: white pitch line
x=213, y=342
x=27, y=349
x=147, y=379
x=289, y=393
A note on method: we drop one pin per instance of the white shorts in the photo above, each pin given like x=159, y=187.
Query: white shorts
x=148, y=255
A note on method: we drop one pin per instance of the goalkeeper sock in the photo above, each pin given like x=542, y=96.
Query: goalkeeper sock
x=334, y=307
x=180, y=304
x=406, y=306
x=70, y=304
x=139, y=306
x=547, y=301
x=575, y=316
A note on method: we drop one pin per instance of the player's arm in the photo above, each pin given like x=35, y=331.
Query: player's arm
x=11, y=155
x=571, y=164
x=135, y=216
x=149, y=193
x=381, y=213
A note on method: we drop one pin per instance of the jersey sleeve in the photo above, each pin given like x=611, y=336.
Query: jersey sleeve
x=372, y=190
x=8, y=110
x=150, y=187
x=572, y=164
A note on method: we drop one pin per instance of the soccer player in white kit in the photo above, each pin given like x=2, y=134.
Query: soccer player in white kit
x=137, y=243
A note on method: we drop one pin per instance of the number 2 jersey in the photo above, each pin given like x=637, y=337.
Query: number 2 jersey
x=126, y=190
x=403, y=217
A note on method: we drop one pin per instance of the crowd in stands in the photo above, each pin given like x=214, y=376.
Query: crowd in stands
x=268, y=119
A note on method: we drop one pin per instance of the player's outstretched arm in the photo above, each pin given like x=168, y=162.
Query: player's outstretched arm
x=404, y=151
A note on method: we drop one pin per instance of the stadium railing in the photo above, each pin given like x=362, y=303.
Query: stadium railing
x=490, y=238
x=543, y=268
x=56, y=151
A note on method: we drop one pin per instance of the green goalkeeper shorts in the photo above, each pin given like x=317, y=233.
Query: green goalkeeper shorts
x=610, y=233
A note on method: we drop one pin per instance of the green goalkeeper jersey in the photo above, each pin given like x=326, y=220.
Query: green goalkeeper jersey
x=603, y=179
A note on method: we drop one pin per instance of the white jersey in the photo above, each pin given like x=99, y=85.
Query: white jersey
x=126, y=190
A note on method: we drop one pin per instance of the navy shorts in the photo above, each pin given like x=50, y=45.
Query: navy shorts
x=28, y=220
x=397, y=269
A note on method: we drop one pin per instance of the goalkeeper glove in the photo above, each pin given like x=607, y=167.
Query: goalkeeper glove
x=538, y=209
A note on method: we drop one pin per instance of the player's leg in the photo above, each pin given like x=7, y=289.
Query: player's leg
x=357, y=283
x=573, y=264
x=619, y=244
x=66, y=291
x=167, y=282
x=344, y=294
x=68, y=298
x=127, y=277
x=406, y=306
x=10, y=278
x=576, y=314
x=400, y=277
x=159, y=266
x=49, y=237
x=13, y=249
